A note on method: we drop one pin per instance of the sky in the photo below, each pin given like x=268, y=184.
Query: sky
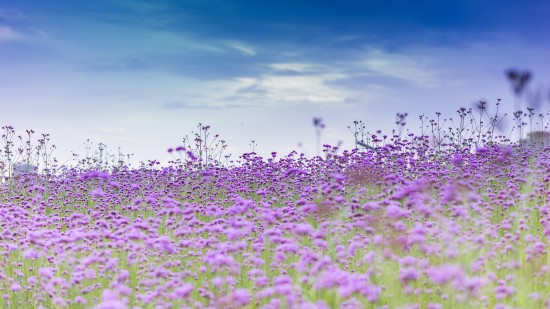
x=141, y=75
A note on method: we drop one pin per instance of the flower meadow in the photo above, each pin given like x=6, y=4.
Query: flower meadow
x=396, y=226
x=458, y=219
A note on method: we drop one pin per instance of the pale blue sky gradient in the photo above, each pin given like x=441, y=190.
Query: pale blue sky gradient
x=140, y=75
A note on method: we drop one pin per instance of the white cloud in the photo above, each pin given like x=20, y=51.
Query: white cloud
x=41, y=33
x=400, y=66
x=9, y=15
x=293, y=89
x=296, y=66
x=242, y=47
x=8, y=35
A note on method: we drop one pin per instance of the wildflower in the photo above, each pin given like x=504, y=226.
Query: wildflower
x=445, y=273
x=349, y=304
x=280, y=280
x=59, y=301
x=371, y=292
x=80, y=300
x=32, y=280
x=46, y=272
x=535, y=296
x=293, y=170
x=408, y=274
x=111, y=304
x=97, y=193
x=503, y=291
x=303, y=229
x=241, y=297
x=339, y=178
x=449, y=194
x=184, y=291
x=265, y=293
x=15, y=287
x=217, y=281
x=191, y=155
x=261, y=281
x=457, y=159
x=123, y=276
x=30, y=254
x=396, y=212
x=164, y=243
x=474, y=284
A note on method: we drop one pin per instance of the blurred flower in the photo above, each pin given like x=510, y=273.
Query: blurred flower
x=408, y=274
x=303, y=229
x=15, y=287
x=184, y=291
x=46, y=272
x=241, y=297
x=445, y=273
x=30, y=254
x=396, y=212
x=97, y=193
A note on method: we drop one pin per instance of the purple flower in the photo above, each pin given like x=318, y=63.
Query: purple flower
x=184, y=290
x=396, y=212
x=46, y=272
x=303, y=229
x=191, y=155
x=293, y=170
x=503, y=291
x=445, y=273
x=474, y=284
x=80, y=300
x=265, y=293
x=97, y=193
x=90, y=274
x=450, y=194
x=32, y=280
x=164, y=243
x=408, y=274
x=15, y=287
x=261, y=281
x=241, y=297
x=111, y=301
x=111, y=304
x=457, y=159
x=59, y=301
x=207, y=173
x=30, y=254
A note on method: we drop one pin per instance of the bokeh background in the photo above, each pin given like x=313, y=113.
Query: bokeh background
x=140, y=75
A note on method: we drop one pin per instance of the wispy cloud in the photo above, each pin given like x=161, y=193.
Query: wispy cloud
x=176, y=105
x=9, y=15
x=117, y=65
x=242, y=47
x=7, y=34
x=41, y=33
x=296, y=67
x=291, y=89
x=400, y=66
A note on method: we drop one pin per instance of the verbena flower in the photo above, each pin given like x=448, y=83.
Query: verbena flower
x=98, y=192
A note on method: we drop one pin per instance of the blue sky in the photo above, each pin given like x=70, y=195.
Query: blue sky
x=141, y=75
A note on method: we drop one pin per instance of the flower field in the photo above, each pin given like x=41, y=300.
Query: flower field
x=392, y=227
